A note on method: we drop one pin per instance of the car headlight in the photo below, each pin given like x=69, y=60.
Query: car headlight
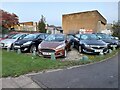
x=27, y=43
x=8, y=44
x=61, y=46
x=87, y=45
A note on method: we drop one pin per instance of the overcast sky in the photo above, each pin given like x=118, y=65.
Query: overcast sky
x=53, y=11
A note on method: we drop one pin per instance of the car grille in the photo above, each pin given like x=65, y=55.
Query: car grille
x=47, y=50
x=98, y=47
x=17, y=44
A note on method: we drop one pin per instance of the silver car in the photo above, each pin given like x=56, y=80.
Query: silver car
x=8, y=43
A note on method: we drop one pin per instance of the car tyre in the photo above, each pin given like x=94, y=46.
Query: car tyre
x=39, y=54
x=12, y=47
x=33, y=48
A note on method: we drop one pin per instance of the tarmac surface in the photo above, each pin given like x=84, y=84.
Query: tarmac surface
x=99, y=75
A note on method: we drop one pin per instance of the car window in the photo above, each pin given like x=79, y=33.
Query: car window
x=22, y=36
x=46, y=35
x=15, y=36
x=84, y=37
x=77, y=35
x=89, y=37
x=53, y=37
x=41, y=36
x=31, y=36
x=104, y=36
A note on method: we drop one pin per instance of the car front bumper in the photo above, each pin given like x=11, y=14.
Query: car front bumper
x=5, y=46
x=95, y=50
x=111, y=46
x=21, y=47
x=48, y=52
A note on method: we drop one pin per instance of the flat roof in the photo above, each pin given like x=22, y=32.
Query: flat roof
x=85, y=12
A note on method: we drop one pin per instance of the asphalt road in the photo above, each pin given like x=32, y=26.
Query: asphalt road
x=99, y=75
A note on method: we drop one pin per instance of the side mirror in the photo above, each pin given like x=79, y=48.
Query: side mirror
x=99, y=37
x=19, y=38
x=66, y=41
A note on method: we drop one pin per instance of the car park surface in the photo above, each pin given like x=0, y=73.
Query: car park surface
x=54, y=43
x=102, y=75
x=30, y=42
x=90, y=43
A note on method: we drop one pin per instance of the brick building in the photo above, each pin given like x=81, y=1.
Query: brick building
x=91, y=21
x=26, y=26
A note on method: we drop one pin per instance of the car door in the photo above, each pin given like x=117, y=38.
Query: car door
x=76, y=40
x=40, y=38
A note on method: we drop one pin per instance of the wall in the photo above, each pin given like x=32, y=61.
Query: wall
x=72, y=23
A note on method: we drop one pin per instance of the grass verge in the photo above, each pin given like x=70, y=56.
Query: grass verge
x=14, y=64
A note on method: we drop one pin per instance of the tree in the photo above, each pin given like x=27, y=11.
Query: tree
x=7, y=20
x=42, y=25
x=116, y=30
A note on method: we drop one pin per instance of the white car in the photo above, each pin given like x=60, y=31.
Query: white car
x=8, y=43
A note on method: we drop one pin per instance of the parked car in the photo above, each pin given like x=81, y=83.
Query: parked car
x=112, y=41
x=7, y=36
x=90, y=43
x=8, y=43
x=54, y=43
x=30, y=42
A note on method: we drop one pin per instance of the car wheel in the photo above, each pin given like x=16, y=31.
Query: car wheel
x=12, y=47
x=39, y=54
x=33, y=48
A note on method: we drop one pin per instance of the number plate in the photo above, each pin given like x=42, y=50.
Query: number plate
x=46, y=53
x=98, y=50
x=113, y=45
x=16, y=46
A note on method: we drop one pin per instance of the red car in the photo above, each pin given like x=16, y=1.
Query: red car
x=54, y=43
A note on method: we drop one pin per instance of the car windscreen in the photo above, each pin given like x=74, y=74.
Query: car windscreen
x=15, y=36
x=31, y=36
x=89, y=37
x=104, y=36
x=56, y=38
x=10, y=35
x=77, y=35
x=70, y=36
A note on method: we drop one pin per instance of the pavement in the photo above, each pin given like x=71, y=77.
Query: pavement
x=18, y=82
x=102, y=75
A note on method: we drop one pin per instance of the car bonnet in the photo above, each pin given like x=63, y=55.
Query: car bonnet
x=50, y=45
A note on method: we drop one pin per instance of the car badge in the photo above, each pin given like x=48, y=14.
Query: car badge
x=98, y=46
